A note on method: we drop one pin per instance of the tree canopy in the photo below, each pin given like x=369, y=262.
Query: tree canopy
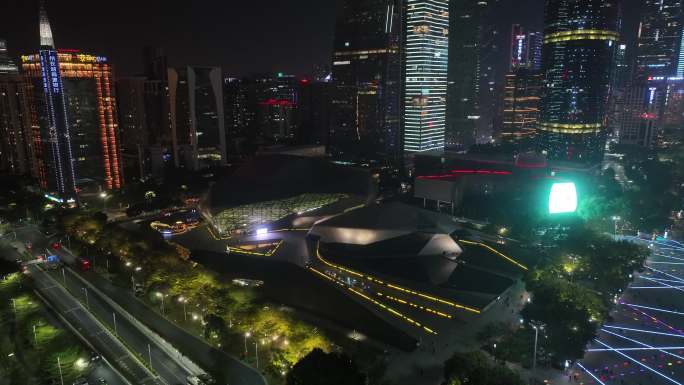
x=320, y=368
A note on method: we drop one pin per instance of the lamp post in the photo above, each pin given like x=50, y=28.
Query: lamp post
x=536, y=325
x=256, y=353
x=59, y=367
x=247, y=335
x=104, y=197
x=161, y=295
x=184, y=300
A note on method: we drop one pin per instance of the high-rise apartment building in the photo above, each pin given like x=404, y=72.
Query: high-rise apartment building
x=313, y=114
x=15, y=123
x=641, y=114
x=525, y=48
x=577, y=63
x=277, y=98
x=197, y=120
x=366, y=71
x=655, y=87
x=7, y=65
x=522, y=91
x=659, y=42
x=472, y=79
x=426, y=59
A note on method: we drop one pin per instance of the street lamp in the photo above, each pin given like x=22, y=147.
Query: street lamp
x=536, y=325
x=104, y=197
x=247, y=335
x=184, y=300
x=161, y=295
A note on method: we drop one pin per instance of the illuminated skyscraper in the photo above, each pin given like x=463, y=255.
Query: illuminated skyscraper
x=656, y=87
x=366, y=75
x=15, y=126
x=659, y=45
x=525, y=48
x=74, y=127
x=425, y=74
x=577, y=63
x=55, y=128
x=522, y=90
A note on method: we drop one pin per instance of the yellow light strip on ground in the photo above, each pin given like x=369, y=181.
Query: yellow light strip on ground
x=389, y=309
x=392, y=286
x=247, y=252
x=376, y=303
x=497, y=252
x=423, y=308
x=581, y=34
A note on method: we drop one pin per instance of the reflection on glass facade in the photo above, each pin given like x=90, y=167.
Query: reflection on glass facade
x=425, y=82
x=660, y=39
x=366, y=71
x=578, y=55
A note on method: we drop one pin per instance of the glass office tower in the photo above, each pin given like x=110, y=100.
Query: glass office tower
x=425, y=74
x=577, y=60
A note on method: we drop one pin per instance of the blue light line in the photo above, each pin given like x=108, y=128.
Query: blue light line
x=637, y=349
x=662, y=279
x=663, y=283
x=645, y=331
x=666, y=263
x=667, y=256
x=639, y=363
x=655, y=287
x=591, y=374
x=664, y=273
x=642, y=343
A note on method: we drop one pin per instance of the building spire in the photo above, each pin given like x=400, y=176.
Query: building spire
x=46, y=39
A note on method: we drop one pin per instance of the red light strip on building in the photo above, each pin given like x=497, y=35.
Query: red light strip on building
x=456, y=173
x=110, y=104
x=103, y=130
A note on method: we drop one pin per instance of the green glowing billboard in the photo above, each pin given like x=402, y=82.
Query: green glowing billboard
x=563, y=198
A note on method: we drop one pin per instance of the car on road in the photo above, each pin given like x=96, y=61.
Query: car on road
x=84, y=264
x=139, y=289
x=56, y=245
x=102, y=381
x=94, y=357
x=202, y=379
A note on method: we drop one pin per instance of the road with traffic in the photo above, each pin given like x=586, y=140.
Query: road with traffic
x=172, y=350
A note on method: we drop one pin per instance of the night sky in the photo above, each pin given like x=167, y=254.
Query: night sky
x=241, y=36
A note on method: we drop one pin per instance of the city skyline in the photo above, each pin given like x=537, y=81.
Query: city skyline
x=212, y=41
x=342, y=192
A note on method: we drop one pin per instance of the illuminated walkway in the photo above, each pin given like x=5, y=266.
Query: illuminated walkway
x=644, y=343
